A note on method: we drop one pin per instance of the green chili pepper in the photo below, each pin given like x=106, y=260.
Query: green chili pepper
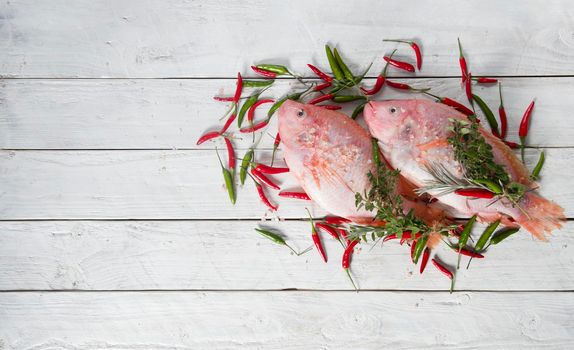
x=346, y=72
x=358, y=110
x=276, y=105
x=538, y=167
x=503, y=234
x=257, y=83
x=228, y=177
x=245, y=164
x=337, y=72
x=348, y=98
x=376, y=152
x=420, y=247
x=487, y=113
x=464, y=236
x=275, y=68
x=492, y=186
x=245, y=107
x=486, y=236
x=272, y=236
x=466, y=232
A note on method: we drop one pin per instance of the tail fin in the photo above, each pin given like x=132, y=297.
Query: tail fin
x=543, y=216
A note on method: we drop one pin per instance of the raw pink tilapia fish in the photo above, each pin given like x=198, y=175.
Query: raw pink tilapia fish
x=413, y=134
x=330, y=155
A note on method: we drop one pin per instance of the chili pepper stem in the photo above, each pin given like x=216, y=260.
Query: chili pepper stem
x=351, y=279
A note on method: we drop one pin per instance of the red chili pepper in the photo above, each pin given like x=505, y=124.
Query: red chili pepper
x=208, y=136
x=343, y=233
x=377, y=87
x=400, y=64
x=318, y=244
x=321, y=86
x=321, y=99
x=336, y=220
x=413, y=247
x=266, y=169
x=348, y=253
x=477, y=193
x=331, y=107
x=470, y=253
x=457, y=105
x=263, y=72
x=251, y=112
x=390, y=237
x=223, y=99
x=296, y=195
x=468, y=89
x=277, y=141
x=409, y=235
x=418, y=54
x=255, y=127
x=264, y=198
x=259, y=176
x=400, y=86
x=424, y=261
x=512, y=145
x=403, y=240
x=320, y=74
x=462, y=62
x=525, y=122
x=230, y=153
x=238, y=88
x=502, y=115
x=442, y=269
x=327, y=229
x=228, y=123
x=484, y=80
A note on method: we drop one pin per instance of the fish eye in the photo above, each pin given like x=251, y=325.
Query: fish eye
x=393, y=110
x=301, y=113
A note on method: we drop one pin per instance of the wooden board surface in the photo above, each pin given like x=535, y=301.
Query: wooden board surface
x=230, y=255
x=286, y=320
x=166, y=114
x=116, y=231
x=216, y=39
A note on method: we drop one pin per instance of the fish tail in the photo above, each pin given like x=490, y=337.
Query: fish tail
x=541, y=216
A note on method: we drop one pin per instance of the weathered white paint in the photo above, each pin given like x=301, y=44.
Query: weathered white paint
x=169, y=185
x=124, y=114
x=230, y=255
x=172, y=38
x=286, y=320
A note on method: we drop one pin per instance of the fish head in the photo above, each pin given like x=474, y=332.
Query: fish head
x=393, y=120
x=301, y=124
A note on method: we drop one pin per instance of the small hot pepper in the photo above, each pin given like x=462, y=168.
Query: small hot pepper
x=263, y=72
x=208, y=136
x=337, y=72
x=228, y=123
x=331, y=231
x=415, y=48
x=336, y=220
x=503, y=234
x=488, y=114
x=400, y=64
x=512, y=145
x=502, y=115
x=276, y=143
x=464, y=236
x=346, y=261
x=485, y=80
x=347, y=98
x=321, y=98
x=468, y=89
x=251, y=113
x=245, y=164
x=264, y=179
x=524, y=125
x=346, y=71
x=466, y=252
x=230, y=154
x=321, y=87
x=462, y=62
x=238, y=88
x=275, y=238
x=320, y=73
x=265, y=169
x=424, y=261
x=246, y=107
x=264, y=199
x=296, y=195
x=376, y=88
x=317, y=238
x=255, y=127
x=477, y=193
x=445, y=272
x=228, y=178
x=274, y=68
x=331, y=107
x=536, y=171
x=223, y=99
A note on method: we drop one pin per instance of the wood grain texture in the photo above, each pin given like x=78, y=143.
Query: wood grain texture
x=213, y=38
x=230, y=255
x=286, y=320
x=139, y=114
x=169, y=185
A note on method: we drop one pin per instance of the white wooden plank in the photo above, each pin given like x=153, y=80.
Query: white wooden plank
x=120, y=114
x=286, y=320
x=167, y=185
x=213, y=38
x=229, y=255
